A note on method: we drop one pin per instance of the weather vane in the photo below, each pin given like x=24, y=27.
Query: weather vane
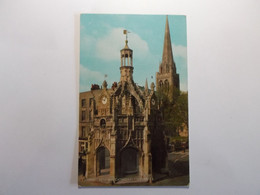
x=125, y=33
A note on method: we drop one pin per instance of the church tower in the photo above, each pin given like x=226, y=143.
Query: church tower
x=167, y=77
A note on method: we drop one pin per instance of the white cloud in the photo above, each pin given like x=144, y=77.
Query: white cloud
x=87, y=44
x=179, y=51
x=88, y=77
x=87, y=74
x=108, y=47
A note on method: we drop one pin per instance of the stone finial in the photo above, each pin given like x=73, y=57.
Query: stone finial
x=152, y=86
x=146, y=87
x=104, y=84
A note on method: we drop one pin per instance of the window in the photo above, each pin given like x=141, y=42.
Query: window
x=102, y=123
x=83, y=116
x=160, y=83
x=83, y=133
x=90, y=114
x=81, y=147
x=83, y=102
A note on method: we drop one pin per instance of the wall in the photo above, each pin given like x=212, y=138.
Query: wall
x=39, y=45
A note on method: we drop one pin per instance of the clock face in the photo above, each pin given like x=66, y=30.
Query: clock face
x=104, y=100
x=153, y=102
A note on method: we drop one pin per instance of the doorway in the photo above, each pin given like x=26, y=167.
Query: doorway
x=103, y=161
x=129, y=161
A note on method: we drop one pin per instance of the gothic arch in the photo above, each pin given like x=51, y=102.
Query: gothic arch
x=166, y=84
x=132, y=91
x=160, y=83
x=129, y=160
x=102, y=160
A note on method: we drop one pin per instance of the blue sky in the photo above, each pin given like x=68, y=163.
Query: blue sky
x=102, y=38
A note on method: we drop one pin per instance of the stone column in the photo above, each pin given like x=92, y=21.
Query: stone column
x=96, y=165
x=113, y=145
x=112, y=157
x=147, y=159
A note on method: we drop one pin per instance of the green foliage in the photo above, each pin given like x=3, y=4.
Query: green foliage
x=178, y=138
x=174, y=106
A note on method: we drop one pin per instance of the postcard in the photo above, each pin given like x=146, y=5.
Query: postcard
x=133, y=101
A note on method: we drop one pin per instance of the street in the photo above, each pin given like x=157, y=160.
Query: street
x=178, y=163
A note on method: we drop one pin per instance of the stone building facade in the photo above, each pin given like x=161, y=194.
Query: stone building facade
x=121, y=131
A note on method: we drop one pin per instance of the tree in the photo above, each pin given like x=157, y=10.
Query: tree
x=174, y=107
x=179, y=116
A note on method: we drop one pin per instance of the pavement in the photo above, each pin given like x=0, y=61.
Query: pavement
x=178, y=156
x=178, y=163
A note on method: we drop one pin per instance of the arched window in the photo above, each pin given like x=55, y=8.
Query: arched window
x=160, y=83
x=102, y=123
x=166, y=83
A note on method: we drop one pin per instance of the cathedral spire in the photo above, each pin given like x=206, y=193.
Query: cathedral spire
x=167, y=77
x=167, y=57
